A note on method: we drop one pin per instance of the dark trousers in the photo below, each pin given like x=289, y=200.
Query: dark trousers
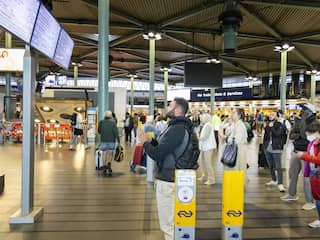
x=216, y=136
x=127, y=131
x=274, y=162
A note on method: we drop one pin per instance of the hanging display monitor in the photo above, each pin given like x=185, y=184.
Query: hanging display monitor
x=11, y=60
x=203, y=75
x=46, y=33
x=64, y=49
x=18, y=17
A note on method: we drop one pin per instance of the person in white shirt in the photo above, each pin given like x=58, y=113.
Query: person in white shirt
x=207, y=144
x=160, y=125
x=78, y=131
x=239, y=136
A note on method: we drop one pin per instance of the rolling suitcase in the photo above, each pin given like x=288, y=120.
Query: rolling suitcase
x=138, y=155
x=262, y=161
x=99, y=160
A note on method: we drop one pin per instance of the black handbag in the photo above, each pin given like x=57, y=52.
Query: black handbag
x=229, y=156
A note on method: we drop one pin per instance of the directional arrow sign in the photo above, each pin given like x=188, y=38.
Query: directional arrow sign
x=184, y=213
x=234, y=213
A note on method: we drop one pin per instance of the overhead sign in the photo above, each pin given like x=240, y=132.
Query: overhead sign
x=46, y=33
x=200, y=95
x=19, y=17
x=11, y=60
x=64, y=49
x=185, y=204
x=33, y=23
x=222, y=94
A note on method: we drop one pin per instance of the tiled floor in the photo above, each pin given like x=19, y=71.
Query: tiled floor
x=81, y=205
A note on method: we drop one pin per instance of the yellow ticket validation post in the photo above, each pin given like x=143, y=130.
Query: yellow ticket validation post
x=233, y=204
x=185, y=204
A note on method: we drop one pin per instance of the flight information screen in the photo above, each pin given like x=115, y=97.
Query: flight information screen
x=46, y=33
x=18, y=17
x=64, y=49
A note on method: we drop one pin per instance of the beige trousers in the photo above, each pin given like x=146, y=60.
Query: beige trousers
x=165, y=205
x=205, y=165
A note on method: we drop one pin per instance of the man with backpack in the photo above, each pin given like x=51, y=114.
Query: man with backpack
x=176, y=148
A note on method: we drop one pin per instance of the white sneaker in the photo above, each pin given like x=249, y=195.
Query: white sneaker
x=308, y=206
x=201, y=178
x=271, y=183
x=288, y=198
x=315, y=224
x=281, y=188
x=210, y=182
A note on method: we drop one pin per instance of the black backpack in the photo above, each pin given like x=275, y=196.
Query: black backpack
x=188, y=151
x=284, y=132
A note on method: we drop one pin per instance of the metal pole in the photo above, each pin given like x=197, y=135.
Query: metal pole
x=103, y=97
x=8, y=44
x=75, y=74
x=131, y=95
x=212, y=99
x=28, y=214
x=166, y=79
x=283, y=89
x=152, y=51
x=313, y=88
x=251, y=84
x=28, y=132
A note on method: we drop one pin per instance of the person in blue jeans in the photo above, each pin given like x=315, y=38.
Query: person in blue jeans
x=273, y=141
x=312, y=158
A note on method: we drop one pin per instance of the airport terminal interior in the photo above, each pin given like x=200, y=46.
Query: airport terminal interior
x=67, y=64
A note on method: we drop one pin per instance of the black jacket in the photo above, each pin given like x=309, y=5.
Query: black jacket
x=298, y=134
x=161, y=151
x=276, y=134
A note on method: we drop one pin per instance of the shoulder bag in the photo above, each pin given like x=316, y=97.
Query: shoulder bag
x=229, y=156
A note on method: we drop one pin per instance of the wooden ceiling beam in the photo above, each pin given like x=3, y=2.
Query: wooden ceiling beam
x=190, y=12
x=249, y=12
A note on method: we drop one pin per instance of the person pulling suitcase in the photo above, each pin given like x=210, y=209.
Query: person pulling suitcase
x=109, y=135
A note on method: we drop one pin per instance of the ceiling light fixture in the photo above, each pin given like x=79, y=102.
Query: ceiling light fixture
x=152, y=35
x=284, y=47
x=46, y=109
x=311, y=72
x=251, y=78
x=165, y=69
x=213, y=60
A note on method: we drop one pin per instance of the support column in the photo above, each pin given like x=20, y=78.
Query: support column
x=28, y=214
x=212, y=100
x=283, y=89
x=75, y=74
x=103, y=71
x=166, y=80
x=152, y=52
x=264, y=86
x=251, y=84
x=132, y=95
x=307, y=85
x=313, y=88
x=250, y=109
x=8, y=44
